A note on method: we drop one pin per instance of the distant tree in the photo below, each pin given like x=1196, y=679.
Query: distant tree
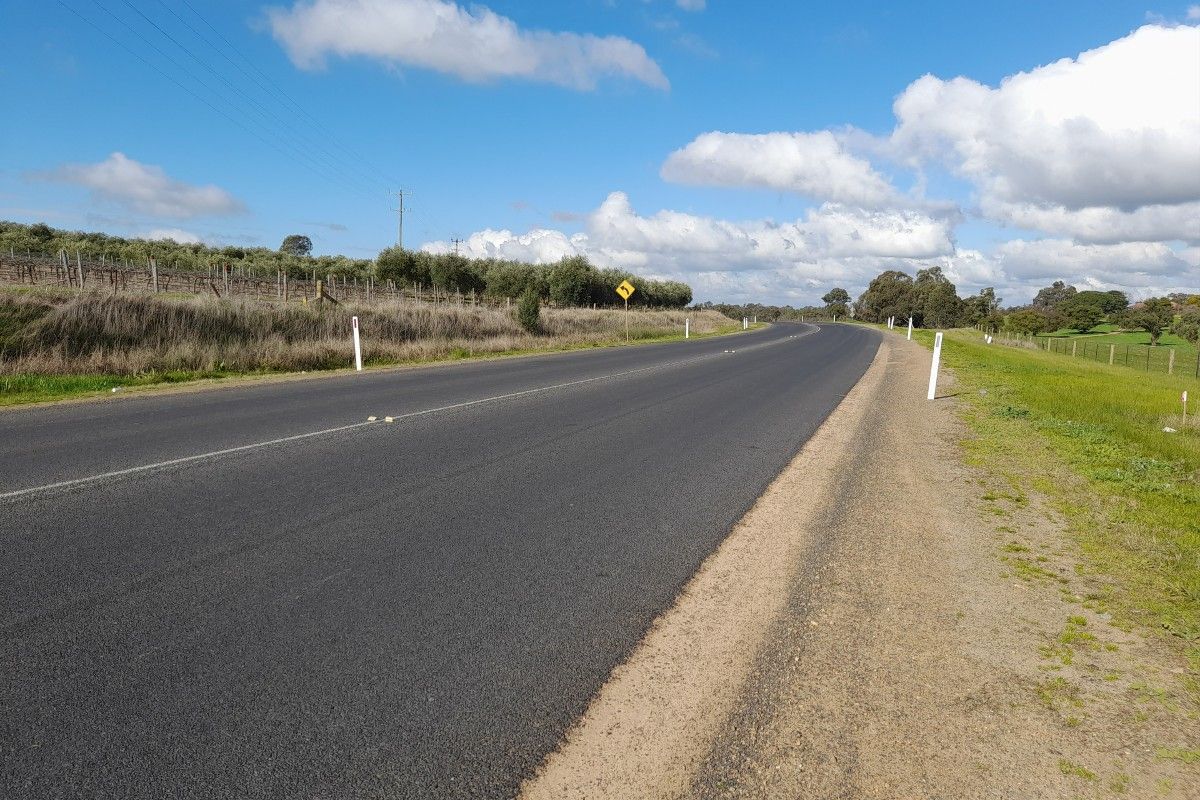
x=1154, y=316
x=889, y=294
x=1026, y=321
x=935, y=300
x=1054, y=295
x=1109, y=302
x=402, y=266
x=40, y=232
x=836, y=295
x=570, y=282
x=511, y=279
x=1081, y=312
x=940, y=306
x=529, y=311
x=296, y=244
x=837, y=302
x=454, y=273
x=1187, y=327
x=982, y=308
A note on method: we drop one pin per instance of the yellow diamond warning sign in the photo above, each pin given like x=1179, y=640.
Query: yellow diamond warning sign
x=626, y=290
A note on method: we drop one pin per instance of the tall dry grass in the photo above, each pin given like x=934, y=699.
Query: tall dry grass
x=49, y=334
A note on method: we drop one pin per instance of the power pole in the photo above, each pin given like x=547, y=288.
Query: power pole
x=456, y=243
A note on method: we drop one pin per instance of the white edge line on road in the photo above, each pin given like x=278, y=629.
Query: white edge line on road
x=352, y=426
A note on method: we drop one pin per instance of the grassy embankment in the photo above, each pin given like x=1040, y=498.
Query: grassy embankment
x=55, y=345
x=1089, y=438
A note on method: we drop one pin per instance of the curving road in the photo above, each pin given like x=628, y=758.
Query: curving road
x=254, y=592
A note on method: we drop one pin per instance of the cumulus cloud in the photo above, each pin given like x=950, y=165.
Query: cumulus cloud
x=539, y=246
x=1104, y=140
x=728, y=259
x=618, y=235
x=1127, y=263
x=811, y=164
x=797, y=261
x=174, y=234
x=472, y=43
x=146, y=189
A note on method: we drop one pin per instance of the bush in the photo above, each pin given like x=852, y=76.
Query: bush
x=529, y=311
x=1188, y=327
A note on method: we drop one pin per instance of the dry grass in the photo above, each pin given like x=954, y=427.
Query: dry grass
x=49, y=334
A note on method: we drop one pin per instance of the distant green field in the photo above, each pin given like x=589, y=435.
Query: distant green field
x=1128, y=349
x=1109, y=335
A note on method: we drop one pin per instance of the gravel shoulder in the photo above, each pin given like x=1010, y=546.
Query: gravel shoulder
x=887, y=622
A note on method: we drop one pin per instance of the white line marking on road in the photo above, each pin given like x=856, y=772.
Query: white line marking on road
x=174, y=461
x=340, y=428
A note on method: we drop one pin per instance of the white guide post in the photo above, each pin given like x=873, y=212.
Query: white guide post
x=910, y=329
x=687, y=328
x=1184, y=425
x=357, y=345
x=933, y=369
x=745, y=323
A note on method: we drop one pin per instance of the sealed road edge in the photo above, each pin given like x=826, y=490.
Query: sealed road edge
x=652, y=724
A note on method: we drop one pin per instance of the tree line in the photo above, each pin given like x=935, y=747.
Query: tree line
x=932, y=301
x=573, y=281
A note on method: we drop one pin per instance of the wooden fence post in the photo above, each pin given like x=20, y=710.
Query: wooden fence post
x=154, y=273
x=79, y=267
x=1171, y=362
x=1112, y=353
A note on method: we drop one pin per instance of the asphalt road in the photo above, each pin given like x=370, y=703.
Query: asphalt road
x=410, y=609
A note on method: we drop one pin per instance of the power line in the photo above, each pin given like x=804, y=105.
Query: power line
x=280, y=92
x=371, y=178
x=187, y=89
x=252, y=104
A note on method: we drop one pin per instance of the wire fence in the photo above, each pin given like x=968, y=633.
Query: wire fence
x=78, y=273
x=1149, y=358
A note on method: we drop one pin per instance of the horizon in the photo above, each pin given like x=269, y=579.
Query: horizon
x=1060, y=146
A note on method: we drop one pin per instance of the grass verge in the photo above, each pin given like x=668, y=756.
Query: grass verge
x=55, y=346
x=1090, y=439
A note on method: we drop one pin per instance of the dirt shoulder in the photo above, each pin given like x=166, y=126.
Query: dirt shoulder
x=887, y=622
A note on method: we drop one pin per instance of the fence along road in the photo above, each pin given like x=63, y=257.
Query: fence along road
x=416, y=609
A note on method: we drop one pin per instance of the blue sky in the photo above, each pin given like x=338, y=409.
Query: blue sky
x=513, y=132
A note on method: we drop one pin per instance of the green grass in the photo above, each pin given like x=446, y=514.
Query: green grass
x=1090, y=439
x=1123, y=338
x=1075, y=770
x=23, y=389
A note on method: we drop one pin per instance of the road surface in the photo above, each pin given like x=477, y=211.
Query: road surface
x=255, y=592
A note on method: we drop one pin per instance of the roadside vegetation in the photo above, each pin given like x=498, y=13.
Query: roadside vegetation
x=1090, y=440
x=572, y=281
x=56, y=344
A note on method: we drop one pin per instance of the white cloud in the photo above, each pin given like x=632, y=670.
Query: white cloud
x=617, y=235
x=474, y=43
x=798, y=261
x=1100, y=224
x=1127, y=263
x=1193, y=12
x=693, y=5
x=1106, y=139
x=811, y=164
x=174, y=234
x=146, y=189
x=828, y=242
x=539, y=246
